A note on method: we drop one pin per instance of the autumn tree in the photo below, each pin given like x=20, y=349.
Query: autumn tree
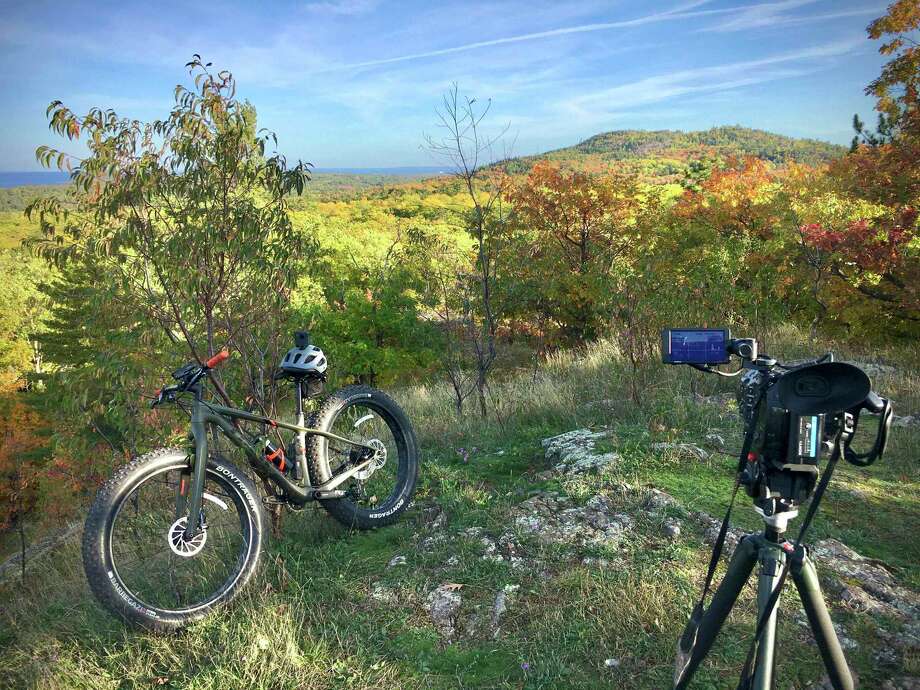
x=880, y=263
x=897, y=88
x=720, y=243
x=23, y=458
x=576, y=228
x=877, y=255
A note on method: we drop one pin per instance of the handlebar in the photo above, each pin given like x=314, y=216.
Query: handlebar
x=188, y=376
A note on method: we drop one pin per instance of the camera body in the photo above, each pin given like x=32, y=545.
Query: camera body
x=783, y=458
x=791, y=413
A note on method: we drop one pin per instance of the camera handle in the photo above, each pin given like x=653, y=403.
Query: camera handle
x=881, y=407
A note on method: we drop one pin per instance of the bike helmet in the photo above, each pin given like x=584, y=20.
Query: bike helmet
x=300, y=361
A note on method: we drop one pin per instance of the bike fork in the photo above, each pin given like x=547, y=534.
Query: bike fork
x=196, y=489
x=300, y=440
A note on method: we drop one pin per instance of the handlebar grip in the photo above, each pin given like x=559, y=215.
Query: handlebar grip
x=217, y=359
x=874, y=403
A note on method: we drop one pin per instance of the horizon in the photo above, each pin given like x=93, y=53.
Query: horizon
x=409, y=170
x=556, y=76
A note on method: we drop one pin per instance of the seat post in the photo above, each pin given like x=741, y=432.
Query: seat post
x=300, y=439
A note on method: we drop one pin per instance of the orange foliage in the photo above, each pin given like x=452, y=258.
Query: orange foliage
x=20, y=471
x=736, y=201
x=586, y=216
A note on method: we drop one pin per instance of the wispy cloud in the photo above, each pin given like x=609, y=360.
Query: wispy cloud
x=714, y=78
x=778, y=14
x=756, y=16
x=343, y=7
x=681, y=12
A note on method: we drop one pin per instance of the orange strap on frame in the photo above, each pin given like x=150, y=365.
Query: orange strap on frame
x=279, y=453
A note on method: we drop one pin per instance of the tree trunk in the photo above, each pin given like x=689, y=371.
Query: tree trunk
x=481, y=394
x=21, y=528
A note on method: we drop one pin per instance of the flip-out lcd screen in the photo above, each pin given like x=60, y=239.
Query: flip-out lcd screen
x=694, y=346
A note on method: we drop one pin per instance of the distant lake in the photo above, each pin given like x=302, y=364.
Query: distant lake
x=405, y=170
x=20, y=179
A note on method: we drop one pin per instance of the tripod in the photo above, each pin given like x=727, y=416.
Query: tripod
x=770, y=550
x=790, y=414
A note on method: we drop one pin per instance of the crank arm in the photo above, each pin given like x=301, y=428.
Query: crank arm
x=324, y=495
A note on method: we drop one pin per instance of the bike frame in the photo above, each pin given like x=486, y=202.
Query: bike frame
x=204, y=413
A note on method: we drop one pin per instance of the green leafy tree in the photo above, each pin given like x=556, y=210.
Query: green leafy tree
x=23, y=310
x=370, y=321
x=186, y=217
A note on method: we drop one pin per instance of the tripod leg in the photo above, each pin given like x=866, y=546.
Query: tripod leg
x=772, y=561
x=806, y=581
x=739, y=570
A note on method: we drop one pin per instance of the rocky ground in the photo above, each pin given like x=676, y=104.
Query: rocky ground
x=550, y=518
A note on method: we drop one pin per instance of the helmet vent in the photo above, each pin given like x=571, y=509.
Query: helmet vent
x=300, y=361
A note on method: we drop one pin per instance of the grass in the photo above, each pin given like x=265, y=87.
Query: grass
x=311, y=620
x=14, y=228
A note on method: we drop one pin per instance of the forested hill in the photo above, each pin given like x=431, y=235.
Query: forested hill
x=663, y=151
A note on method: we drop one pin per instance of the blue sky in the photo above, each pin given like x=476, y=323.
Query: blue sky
x=355, y=82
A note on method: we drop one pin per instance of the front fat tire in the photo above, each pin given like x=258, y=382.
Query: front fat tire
x=96, y=562
x=342, y=509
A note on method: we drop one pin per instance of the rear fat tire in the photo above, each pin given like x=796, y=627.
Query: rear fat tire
x=96, y=534
x=342, y=509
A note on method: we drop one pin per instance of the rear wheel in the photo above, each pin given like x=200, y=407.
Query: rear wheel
x=378, y=494
x=139, y=563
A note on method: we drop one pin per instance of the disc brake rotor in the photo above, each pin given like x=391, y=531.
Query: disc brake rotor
x=181, y=546
x=378, y=461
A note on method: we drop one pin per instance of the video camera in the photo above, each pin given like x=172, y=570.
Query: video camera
x=792, y=413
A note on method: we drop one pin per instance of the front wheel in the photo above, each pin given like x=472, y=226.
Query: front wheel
x=378, y=494
x=137, y=560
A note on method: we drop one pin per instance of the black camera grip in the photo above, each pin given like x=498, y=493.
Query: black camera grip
x=874, y=403
x=879, y=406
